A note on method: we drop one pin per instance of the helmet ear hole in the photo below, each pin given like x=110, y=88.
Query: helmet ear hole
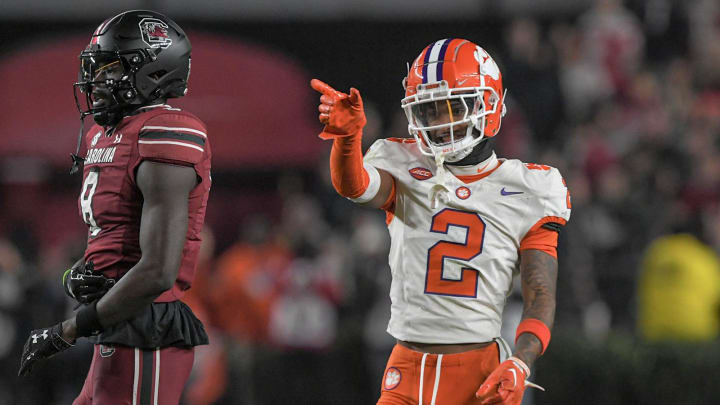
x=173, y=88
x=157, y=75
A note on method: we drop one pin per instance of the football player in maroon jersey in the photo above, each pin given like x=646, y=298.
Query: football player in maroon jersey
x=146, y=179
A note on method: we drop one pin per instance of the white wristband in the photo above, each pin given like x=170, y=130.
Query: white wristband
x=373, y=185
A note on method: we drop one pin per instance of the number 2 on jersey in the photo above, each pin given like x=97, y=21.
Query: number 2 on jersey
x=88, y=191
x=435, y=282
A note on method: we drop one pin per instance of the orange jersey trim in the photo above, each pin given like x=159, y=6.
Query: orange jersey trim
x=389, y=217
x=475, y=177
x=401, y=140
x=547, y=219
x=542, y=239
x=389, y=205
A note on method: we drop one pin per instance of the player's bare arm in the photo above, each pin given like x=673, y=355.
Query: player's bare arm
x=144, y=207
x=538, y=272
x=163, y=228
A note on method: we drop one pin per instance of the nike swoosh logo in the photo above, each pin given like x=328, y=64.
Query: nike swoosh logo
x=503, y=192
x=514, y=373
x=460, y=82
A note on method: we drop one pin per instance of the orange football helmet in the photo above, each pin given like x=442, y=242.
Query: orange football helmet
x=453, y=87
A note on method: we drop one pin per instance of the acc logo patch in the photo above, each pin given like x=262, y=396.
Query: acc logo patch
x=106, y=351
x=155, y=33
x=420, y=173
x=463, y=192
x=392, y=378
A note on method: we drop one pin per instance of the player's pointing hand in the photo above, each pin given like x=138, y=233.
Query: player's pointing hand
x=342, y=113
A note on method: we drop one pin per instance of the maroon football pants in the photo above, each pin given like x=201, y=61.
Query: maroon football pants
x=121, y=375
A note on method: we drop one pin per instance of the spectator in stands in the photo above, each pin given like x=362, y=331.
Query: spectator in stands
x=679, y=290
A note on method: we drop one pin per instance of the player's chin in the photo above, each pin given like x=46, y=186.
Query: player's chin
x=443, y=137
x=446, y=139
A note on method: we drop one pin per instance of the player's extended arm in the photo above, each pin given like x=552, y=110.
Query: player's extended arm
x=506, y=384
x=344, y=118
x=163, y=229
x=538, y=272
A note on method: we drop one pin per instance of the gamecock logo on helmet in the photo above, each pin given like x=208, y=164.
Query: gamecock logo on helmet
x=155, y=33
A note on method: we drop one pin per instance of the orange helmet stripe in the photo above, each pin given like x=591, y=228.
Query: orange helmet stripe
x=450, y=56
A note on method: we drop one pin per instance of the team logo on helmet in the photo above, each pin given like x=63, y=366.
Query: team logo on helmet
x=392, y=378
x=487, y=64
x=155, y=33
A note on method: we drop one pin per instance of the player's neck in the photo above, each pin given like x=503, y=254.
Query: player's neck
x=486, y=165
x=480, y=153
x=481, y=159
x=147, y=107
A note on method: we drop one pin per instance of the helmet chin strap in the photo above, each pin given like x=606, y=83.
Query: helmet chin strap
x=76, y=159
x=439, y=191
x=105, y=118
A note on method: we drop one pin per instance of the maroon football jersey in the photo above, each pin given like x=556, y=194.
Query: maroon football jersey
x=111, y=202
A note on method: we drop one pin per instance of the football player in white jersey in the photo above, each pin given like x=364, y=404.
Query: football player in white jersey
x=462, y=223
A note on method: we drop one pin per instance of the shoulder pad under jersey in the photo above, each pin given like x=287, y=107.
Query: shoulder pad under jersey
x=173, y=136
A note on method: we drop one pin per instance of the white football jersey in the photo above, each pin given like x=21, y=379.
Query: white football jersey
x=453, y=266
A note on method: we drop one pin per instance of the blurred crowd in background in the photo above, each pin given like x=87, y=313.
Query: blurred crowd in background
x=624, y=99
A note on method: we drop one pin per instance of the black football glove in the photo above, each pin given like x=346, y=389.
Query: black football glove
x=42, y=344
x=84, y=285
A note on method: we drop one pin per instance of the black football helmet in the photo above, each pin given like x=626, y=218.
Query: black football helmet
x=149, y=55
